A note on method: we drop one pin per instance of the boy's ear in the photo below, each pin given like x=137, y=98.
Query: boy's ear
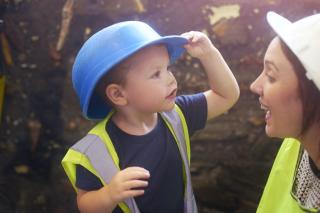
x=115, y=94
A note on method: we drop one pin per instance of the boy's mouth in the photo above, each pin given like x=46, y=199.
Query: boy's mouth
x=172, y=94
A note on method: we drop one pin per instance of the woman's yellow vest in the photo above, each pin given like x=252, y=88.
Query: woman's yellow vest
x=277, y=196
x=97, y=154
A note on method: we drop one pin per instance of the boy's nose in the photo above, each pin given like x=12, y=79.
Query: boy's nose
x=170, y=78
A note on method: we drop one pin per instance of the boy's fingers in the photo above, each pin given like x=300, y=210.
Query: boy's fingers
x=136, y=174
x=187, y=46
x=188, y=35
x=133, y=193
x=135, y=184
x=137, y=168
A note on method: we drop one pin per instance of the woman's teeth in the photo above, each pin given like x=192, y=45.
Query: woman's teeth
x=268, y=112
x=264, y=107
x=268, y=115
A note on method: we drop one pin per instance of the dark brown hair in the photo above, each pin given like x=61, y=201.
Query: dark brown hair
x=309, y=93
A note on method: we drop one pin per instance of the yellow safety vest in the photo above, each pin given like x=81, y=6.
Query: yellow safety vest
x=277, y=196
x=96, y=153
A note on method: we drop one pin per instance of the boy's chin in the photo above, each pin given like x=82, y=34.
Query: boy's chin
x=168, y=108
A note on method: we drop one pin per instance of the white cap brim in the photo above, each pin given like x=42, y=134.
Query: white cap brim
x=303, y=39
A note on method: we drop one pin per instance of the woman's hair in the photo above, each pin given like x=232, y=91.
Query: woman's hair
x=309, y=93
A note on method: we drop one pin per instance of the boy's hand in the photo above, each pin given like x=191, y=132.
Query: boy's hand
x=224, y=90
x=199, y=44
x=127, y=183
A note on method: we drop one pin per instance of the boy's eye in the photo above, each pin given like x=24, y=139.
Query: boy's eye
x=156, y=74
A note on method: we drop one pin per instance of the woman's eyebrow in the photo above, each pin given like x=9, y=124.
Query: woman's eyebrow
x=271, y=64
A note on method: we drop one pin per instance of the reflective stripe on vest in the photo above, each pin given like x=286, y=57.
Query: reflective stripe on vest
x=277, y=196
x=98, y=155
x=95, y=150
x=178, y=127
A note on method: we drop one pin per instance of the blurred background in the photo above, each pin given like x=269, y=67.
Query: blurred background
x=41, y=118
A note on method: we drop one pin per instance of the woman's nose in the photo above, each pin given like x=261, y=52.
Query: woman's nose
x=256, y=86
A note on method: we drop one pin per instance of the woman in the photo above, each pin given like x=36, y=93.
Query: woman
x=289, y=92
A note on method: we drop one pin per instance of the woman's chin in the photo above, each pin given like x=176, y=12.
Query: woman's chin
x=270, y=132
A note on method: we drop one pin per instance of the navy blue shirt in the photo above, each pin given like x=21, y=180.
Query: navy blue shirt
x=157, y=152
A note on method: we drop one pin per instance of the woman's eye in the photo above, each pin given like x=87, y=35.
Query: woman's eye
x=270, y=78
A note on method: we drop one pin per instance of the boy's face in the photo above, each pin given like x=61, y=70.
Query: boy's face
x=150, y=87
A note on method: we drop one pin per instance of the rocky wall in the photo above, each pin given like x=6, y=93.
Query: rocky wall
x=231, y=157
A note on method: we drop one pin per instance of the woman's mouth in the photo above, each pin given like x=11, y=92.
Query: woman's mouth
x=266, y=109
x=268, y=116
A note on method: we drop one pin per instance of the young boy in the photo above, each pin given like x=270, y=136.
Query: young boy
x=137, y=159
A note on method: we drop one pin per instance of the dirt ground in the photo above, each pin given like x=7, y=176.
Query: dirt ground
x=231, y=157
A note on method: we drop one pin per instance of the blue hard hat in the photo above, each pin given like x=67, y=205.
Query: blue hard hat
x=106, y=48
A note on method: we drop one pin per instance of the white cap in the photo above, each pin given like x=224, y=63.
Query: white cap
x=303, y=39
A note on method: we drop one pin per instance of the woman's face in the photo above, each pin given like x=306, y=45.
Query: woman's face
x=277, y=87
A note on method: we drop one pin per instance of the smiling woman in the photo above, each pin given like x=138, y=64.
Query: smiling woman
x=288, y=90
